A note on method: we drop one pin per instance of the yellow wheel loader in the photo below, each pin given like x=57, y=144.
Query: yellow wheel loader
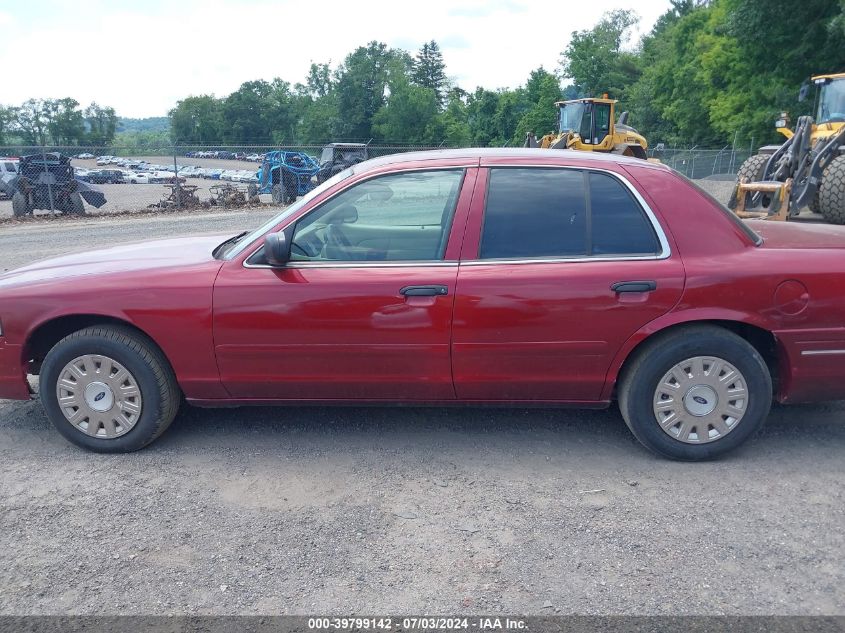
x=807, y=170
x=588, y=125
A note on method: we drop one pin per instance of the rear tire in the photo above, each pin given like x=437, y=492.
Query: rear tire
x=832, y=192
x=20, y=205
x=139, y=366
x=278, y=194
x=75, y=205
x=668, y=421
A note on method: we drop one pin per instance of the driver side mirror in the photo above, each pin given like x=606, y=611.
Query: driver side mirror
x=276, y=249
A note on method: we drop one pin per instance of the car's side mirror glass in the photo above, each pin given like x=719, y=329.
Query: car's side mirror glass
x=276, y=249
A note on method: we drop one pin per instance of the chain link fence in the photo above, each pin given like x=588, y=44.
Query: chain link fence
x=181, y=177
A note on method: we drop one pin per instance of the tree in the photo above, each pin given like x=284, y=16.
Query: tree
x=64, y=121
x=31, y=120
x=456, y=131
x=360, y=85
x=411, y=114
x=319, y=81
x=429, y=70
x=102, y=124
x=196, y=120
x=594, y=58
x=7, y=120
x=542, y=90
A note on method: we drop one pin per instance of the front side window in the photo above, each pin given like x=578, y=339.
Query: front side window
x=562, y=213
x=398, y=217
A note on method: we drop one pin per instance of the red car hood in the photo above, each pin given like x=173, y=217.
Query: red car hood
x=799, y=234
x=137, y=257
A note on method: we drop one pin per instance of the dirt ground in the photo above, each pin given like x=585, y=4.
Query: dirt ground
x=129, y=197
x=359, y=510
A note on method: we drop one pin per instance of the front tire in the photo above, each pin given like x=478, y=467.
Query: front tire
x=20, y=205
x=108, y=389
x=750, y=171
x=695, y=394
x=75, y=205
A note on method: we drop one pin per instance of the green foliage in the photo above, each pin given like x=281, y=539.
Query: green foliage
x=197, y=120
x=429, y=70
x=711, y=72
x=594, y=58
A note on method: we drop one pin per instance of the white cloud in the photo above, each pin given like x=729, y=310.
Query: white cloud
x=142, y=57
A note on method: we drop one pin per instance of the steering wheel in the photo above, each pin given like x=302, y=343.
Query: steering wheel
x=296, y=248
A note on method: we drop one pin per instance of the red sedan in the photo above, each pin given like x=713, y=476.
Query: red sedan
x=451, y=277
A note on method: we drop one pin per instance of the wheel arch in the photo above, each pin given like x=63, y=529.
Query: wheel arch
x=42, y=338
x=762, y=339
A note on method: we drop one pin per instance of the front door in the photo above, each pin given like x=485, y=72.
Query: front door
x=364, y=308
x=565, y=265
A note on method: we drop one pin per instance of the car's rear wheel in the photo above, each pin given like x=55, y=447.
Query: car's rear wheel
x=695, y=394
x=108, y=389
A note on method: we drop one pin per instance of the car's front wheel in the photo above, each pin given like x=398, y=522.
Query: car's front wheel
x=696, y=393
x=108, y=389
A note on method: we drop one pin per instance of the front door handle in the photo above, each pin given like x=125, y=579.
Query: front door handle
x=634, y=286
x=424, y=291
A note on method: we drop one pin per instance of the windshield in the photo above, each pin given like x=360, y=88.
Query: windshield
x=570, y=117
x=832, y=102
x=241, y=244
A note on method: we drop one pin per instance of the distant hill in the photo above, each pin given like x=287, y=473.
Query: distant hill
x=150, y=124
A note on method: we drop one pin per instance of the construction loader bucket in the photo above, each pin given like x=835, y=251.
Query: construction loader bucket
x=767, y=200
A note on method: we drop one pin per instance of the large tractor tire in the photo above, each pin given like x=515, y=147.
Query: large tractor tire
x=750, y=171
x=832, y=192
x=20, y=205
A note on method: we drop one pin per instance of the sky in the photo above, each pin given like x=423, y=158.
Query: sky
x=141, y=57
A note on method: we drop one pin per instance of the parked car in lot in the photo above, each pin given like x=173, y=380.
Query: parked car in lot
x=136, y=178
x=453, y=277
x=8, y=171
x=85, y=156
x=105, y=176
x=104, y=160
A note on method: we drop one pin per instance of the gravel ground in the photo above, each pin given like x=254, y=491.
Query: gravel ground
x=339, y=510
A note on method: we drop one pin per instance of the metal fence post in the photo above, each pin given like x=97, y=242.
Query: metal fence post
x=178, y=189
x=47, y=180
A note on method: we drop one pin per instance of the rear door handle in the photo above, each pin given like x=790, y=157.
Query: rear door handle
x=634, y=286
x=424, y=291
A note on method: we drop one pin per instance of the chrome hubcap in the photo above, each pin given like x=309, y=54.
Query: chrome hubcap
x=99, y=396
x=700, y=400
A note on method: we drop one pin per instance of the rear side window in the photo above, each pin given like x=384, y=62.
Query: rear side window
x=543, y=212
x=619, y=225
x=535, y=212
x=11, y=167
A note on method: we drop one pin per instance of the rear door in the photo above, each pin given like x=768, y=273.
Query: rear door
x=560, y=267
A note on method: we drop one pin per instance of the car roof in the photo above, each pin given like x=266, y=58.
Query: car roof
x=477, y=154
